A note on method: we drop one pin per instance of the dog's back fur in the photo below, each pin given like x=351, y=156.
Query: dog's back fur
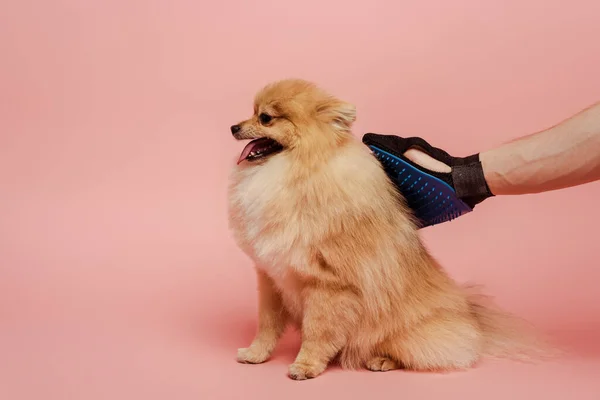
x=337, y=253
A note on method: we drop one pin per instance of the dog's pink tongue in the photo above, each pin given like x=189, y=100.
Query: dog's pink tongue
x=248, y=149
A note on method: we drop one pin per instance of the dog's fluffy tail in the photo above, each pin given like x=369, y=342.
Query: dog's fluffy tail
x=507, y=336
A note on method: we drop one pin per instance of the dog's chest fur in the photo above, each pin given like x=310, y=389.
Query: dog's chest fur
x=279, y=221
x=267, y=221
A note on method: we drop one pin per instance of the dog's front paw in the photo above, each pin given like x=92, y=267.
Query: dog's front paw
x=251, y=355
x=301, y=371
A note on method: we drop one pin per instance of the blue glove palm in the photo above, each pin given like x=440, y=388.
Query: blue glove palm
x=434, y=197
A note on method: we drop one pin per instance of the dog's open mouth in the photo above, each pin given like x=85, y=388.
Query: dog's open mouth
x=259, y=148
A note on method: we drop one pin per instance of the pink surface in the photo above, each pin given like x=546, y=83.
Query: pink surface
x=118, y=277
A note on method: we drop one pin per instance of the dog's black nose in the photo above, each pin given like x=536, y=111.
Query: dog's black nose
x=235, y=129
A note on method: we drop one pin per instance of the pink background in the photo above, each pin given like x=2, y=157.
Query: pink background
x=118, y=277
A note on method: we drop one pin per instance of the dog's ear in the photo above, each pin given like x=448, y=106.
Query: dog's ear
x=339, y=114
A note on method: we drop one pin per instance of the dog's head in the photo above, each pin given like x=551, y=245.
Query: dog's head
x=293, y=115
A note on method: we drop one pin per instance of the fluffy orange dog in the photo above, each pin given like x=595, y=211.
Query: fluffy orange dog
x=337, y=252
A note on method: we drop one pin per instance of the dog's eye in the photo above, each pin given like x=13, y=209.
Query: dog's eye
x=265, y=118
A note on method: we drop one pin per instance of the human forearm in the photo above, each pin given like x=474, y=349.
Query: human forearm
x=565, y=155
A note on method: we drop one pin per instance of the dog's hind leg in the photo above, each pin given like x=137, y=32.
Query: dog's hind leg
x=440, y=343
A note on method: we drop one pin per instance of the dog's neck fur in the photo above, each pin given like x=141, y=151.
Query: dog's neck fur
x=315, y=153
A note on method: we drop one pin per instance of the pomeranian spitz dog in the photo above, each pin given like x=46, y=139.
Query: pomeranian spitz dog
x=337, y=252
